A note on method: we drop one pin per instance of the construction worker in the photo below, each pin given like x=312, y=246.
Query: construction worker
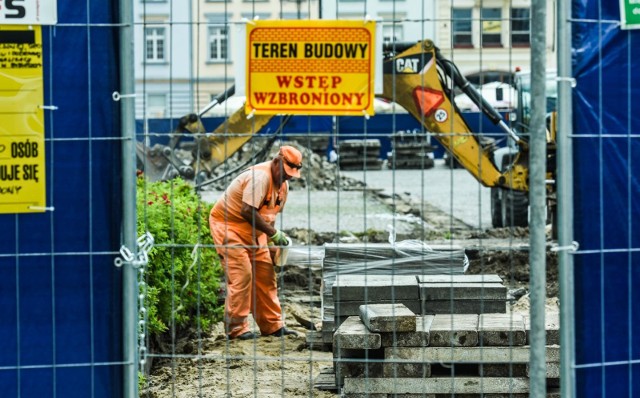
x=243, y=226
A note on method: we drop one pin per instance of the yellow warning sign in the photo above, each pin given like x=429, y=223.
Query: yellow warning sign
x=22, y=174
x=310, y=67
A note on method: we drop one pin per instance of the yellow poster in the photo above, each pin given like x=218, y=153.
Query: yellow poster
x=310, y=67
x=22, y=173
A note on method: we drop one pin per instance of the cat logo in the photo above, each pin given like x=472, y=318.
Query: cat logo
x=407, y=65
x=412, y=64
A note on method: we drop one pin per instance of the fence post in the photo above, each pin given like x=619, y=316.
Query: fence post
x=537, y=199
x=564, y=179
x=127, y=126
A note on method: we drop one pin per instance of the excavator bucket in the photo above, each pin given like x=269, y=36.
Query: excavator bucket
x=162, y=162
x=151, y=162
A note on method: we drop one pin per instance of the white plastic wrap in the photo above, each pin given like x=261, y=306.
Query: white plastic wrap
x=409, y=257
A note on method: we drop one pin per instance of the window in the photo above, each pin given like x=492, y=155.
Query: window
x=292, y=16
x=461, y=25
x=520, y=27
x=218, y=43
x=156, y=105
x=155, y=44
x=491, y=27
x=391, y=33
x=488, y=76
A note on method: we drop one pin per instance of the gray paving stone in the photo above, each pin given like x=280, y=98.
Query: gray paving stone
x=552, y=368
x=403, y=369
x=457, y=330
x=501, y=330
x=464, y=307
x=483, y=355
x=486, y=278
x=462, y=291
x=353, y=334
x=388, y=318
x=552, y=327
x=373, y=288
x=348, y=308
x=503, y=370
x=436, y=385
x=419, y=338
x=340, y=320
x=357, y=363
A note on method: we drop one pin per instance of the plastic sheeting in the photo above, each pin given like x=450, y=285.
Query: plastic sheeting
x=409, y=257
x=606, y=65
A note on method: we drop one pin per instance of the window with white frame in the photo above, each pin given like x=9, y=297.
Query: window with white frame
x=520, y=27
x=491, y=23
x=218, y=40
x=156, y=105
x=155, y=44
x=391, y=33
x=462, y=27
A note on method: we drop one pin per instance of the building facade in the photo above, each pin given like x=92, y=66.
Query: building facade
x=217, y=29
x=490, y=35
x=163, y=58
x=401, y=20
x=187, y=51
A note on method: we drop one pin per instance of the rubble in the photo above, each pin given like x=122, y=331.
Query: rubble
x=318, y=174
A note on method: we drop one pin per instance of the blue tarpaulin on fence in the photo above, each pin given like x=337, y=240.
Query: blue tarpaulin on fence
x=60, y=293
x=606, y=65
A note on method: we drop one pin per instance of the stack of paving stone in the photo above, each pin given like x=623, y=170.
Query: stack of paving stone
x=381, y=260
x=359, y=155
x=411, y=151
x=422, y=294
x=318, y=143
x=387, y=350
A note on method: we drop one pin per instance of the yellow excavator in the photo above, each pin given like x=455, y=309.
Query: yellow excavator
x=421, y=80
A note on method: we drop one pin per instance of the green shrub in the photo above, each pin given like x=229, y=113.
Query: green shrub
x=179, y=288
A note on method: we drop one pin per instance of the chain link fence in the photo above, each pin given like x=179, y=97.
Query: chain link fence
x=432, y=240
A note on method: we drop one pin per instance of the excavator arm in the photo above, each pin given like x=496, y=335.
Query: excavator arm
x=415, y=77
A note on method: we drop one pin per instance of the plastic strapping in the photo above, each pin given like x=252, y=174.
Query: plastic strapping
x=573, y=247
x=571, y=80
x=144, y=244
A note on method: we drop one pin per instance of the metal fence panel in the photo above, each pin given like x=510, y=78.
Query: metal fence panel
x=606, y=141
x=60, y=293
x=62, y=296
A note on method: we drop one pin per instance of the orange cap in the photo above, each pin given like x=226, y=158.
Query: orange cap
x=292, y=160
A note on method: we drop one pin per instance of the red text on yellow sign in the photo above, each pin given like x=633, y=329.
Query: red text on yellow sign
x=310, y=67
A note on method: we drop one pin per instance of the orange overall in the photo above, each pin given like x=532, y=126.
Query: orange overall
x=251, y=279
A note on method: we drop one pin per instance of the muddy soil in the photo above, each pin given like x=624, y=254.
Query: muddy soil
x=209, y=365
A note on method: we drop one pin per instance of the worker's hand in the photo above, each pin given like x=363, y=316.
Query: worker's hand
x=279, y=238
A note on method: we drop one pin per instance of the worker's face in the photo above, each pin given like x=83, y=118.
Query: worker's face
x=279, y=175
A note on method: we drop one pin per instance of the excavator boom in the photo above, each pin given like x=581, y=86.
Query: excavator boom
x=412, y=79
x=418, y=78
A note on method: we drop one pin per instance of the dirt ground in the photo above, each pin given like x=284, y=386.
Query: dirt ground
x=212, y=366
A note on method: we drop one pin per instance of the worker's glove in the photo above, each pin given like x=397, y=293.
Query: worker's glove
x=279, y=238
